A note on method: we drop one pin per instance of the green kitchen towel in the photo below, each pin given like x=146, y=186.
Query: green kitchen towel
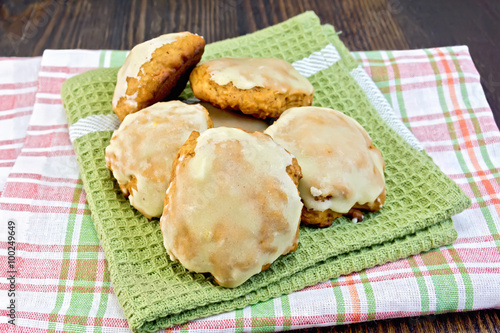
x=156, y=292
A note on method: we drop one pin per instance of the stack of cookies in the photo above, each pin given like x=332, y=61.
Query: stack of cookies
x=230, y=202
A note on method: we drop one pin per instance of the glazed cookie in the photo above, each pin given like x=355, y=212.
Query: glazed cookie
x=142, y=149
x=261, y=87
x=155, y=70
x=343, y=172
x=232, y=206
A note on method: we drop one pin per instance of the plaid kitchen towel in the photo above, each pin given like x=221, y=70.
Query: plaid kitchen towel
x=156, y=292
x=63, y=283
x=18, y=82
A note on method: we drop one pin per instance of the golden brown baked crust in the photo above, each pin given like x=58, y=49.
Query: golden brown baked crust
x=322, y=219
x=260, y=102
x=164, y=76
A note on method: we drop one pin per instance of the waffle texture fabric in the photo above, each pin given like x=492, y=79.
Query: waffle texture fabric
x=156, y=292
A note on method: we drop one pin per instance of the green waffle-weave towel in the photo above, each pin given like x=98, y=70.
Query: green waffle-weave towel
x=156, y=293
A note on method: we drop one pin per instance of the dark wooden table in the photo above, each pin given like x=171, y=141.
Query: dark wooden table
x=28, y=27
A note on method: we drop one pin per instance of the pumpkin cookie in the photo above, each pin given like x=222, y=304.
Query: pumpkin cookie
x=155, y=70
x=261, y=87
x=236, y=119
x=142, y=149
x=343, y=172
x=232, y=206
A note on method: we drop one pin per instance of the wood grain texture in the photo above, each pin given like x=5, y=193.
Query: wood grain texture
x=27, y=28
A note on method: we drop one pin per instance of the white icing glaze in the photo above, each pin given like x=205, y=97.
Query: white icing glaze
x=246, y=73
x=138, y=56
x=339, y=170
x=145, y=145
x=315, y=192
x=234, y=208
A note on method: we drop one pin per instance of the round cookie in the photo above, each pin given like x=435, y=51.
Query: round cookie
x=232, y=206
x=343, y=173
x=155, y=70
x=142, y=149
x=261, y=87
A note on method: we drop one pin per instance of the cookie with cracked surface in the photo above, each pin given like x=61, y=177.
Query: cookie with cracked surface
x=142, y=149
x=156, y=70
x=343, y=172
x=261, y=87
x=232, y=207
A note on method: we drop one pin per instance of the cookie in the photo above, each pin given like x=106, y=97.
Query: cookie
x=142, y=149
x=236, y=119
x=261, y=87
x=232, y=206
x=343, y=172
x=155, y=70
